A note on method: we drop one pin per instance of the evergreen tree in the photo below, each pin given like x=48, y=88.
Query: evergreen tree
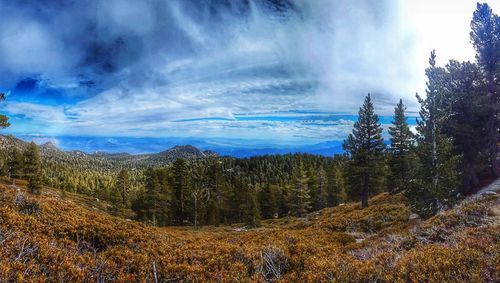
x=320, y=187
x=337, y=191
x=4, y=120
x=251, y=208
x=300, y=199
x=466, y=120
x=402, y=141
x=123, y=187
x=153, y=205
x=436, y=182
x=33, y=168
x=15, y=165
x=365, y=147
x=180, y=191
x=485, y=37
x=267, y=201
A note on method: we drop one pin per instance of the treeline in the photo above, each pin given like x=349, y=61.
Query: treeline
x=217, y=191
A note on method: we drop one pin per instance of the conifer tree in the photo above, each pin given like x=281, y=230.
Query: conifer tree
x=300, y=198
x=267, y=201
x=251, y=208
x=123, y=187
x=320, y=187
x=154, y=205
x=402, y=140
x=485, y=36
x=436, y=182
x=15, y=165
x=466, y=120
x=365, y=147
x=180, y=191
x=4, y=120
x=33, y=168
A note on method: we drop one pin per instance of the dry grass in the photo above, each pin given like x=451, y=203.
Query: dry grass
x=68, y=241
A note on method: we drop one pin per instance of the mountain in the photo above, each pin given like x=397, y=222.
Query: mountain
x=223, y=146
x=50, y=152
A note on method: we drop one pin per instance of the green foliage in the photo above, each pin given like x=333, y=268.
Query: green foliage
x=436, y=181
x=180, y=192
x=365, y=146
x=485, y=37
x=123, y=186
x=4, y=120
x=401, y=161
x=267, y=201
x=15, y=164
x=300, y=199
x=33, y=168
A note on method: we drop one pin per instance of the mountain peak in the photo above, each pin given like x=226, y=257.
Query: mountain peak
x=49, y=145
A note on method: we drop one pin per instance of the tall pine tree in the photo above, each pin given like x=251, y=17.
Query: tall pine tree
x=365, y=147
x=485, y=37
x=436, y=182
x=402, y=141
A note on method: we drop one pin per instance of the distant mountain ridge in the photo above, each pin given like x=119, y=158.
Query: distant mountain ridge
x=50, y=151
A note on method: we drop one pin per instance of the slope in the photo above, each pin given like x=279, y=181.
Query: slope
x=55, y=238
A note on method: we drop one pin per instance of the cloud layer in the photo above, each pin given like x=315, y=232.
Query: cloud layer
x=191, y=68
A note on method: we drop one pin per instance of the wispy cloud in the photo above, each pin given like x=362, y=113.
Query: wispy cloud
x=165, y=68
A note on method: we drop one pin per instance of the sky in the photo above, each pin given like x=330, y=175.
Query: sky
x=280, y=72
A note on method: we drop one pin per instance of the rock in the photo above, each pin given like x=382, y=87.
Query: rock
x=414, y=219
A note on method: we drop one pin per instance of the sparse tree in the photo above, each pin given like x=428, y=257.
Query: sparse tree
x=365, y=147
x=402, y=142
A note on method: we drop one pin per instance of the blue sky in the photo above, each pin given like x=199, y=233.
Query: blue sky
x=281, y=72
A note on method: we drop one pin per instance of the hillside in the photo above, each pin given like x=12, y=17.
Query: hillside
x=56, y=237
x=107, y=161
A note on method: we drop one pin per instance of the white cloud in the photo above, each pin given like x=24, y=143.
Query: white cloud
x=44, y=113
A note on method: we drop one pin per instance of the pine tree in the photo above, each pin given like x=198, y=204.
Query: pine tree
x=402, y=140
x=436, y=182
x=33, y=168
x=267, y=201
x=123, y=187
x=465, y=123
x=300, y=198
x=153, y=204
x=15, y=165
x=180, y=191
x=4, y=120
x=251, y=208
x=320, y=187
x=485, y=37
x=365, y=146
